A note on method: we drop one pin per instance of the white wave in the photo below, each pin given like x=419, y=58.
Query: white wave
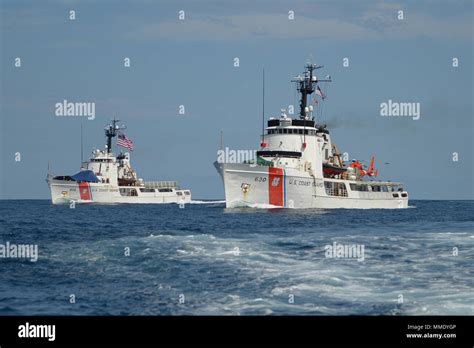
x=310, y=277
x=243, y=204
x=235, y=252
x=206, y=202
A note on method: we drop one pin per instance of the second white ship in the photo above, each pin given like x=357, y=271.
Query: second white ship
x=109, y=178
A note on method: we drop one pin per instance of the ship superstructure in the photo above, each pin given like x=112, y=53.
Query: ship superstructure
x=298, y=166
x=109, y=178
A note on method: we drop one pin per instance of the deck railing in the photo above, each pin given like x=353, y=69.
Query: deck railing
x=160, y=184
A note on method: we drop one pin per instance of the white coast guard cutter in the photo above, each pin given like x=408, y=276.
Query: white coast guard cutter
x=107, y=178
x=298, y=166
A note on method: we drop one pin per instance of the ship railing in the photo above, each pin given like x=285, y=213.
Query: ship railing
x=160, y=184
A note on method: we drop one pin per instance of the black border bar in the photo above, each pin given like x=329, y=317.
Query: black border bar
x=287, y=330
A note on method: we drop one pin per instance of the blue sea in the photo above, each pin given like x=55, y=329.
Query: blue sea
x=209, y=260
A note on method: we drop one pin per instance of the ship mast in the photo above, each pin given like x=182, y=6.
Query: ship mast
x=263, y=109
x=111, y=131
x=306, y=85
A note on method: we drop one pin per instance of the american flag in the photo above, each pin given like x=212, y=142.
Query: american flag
x=123, y=141
x=320, y=93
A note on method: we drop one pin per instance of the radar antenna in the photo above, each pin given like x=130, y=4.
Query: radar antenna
x=306, y=85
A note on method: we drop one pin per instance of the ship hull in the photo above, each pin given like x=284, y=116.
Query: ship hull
x=65, y=192
x=268, y=187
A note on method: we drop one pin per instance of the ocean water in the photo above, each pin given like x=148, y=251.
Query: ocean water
x=208, y=260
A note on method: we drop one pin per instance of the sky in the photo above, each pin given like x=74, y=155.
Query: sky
x=190, y=62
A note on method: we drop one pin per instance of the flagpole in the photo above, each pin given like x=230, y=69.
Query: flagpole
x=222, y=140
x=82, y=147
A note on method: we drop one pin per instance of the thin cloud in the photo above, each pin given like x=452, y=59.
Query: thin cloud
x=376, y=23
